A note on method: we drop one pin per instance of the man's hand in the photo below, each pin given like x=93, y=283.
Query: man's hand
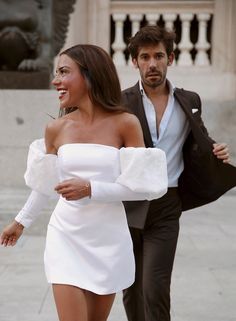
x=221, y=151
x=74, y=189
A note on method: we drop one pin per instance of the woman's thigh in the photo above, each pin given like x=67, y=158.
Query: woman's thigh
x=70, y=302
x=99, y=306
x=77, y=304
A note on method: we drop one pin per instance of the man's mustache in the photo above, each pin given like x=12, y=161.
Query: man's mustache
x=153, y=73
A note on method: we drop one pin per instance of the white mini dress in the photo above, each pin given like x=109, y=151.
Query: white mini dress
x=88, y=243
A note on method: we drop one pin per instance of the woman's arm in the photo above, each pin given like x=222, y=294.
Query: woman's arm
x=37, y=200
x=28, y=214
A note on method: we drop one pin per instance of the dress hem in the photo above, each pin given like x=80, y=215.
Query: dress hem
x=96, y=291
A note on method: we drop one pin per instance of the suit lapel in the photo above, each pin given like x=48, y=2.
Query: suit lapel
x=138, y=110
x=187, y=107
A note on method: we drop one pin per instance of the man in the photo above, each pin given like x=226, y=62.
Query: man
x=198, y=171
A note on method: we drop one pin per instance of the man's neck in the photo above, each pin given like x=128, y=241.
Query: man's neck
x=161, y=90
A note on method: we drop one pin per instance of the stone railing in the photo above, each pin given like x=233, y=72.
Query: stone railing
x=192, y=21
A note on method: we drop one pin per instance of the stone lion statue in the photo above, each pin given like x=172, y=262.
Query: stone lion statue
x=32, y=32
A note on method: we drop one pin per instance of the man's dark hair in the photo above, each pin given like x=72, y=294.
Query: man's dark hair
x=151, y=35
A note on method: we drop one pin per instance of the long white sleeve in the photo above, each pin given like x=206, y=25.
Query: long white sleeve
x=112, y=192
x=41, y=176
x=33, y=207
x=143, y=177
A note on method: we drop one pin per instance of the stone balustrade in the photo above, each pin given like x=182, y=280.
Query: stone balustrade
x=192, y=21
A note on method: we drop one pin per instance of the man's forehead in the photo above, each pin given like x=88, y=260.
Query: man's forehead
x=158, y=48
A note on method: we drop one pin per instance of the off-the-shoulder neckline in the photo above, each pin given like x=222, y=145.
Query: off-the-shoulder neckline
x=90, y=144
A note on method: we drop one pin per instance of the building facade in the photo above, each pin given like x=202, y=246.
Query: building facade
x=205, y=62
x=205, y=48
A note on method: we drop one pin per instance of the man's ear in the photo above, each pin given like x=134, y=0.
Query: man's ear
x=135, y=63
x=171, y=59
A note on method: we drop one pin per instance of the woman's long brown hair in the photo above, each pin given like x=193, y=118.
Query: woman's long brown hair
x=100, y=74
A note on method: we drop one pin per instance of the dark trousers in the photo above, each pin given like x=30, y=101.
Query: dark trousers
x=148, y=299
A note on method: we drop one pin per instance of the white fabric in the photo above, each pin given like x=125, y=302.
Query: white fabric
x=41, y=174
x=143, y=176
x=32, y=208
x=88, y=242
x=143, y=170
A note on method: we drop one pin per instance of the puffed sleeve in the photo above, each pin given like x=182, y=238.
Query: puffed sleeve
x=41, y=176
x=42, y=171
x=143, y=176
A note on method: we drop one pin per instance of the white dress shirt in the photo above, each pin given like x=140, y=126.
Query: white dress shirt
x=173, y=130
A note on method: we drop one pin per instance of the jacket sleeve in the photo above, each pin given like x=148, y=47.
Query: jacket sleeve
x=143, y=176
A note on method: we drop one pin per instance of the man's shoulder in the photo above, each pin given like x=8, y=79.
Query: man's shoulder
x=186, y=93
x=131, y=90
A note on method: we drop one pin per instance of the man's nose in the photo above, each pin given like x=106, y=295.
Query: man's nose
x=152, y=62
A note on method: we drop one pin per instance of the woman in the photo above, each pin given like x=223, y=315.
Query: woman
x=89, y=151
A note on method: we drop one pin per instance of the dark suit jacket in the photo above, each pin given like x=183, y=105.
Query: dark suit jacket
x=204, y=178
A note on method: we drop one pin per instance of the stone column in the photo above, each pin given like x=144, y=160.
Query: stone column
x=119, y=45
x=185, y=44
x=90, y=23
x=202, y=44
x=135, y=19
x=169, y=19
x=99, y=23
x=152, y=18
x=78, y=31
x=223, y=38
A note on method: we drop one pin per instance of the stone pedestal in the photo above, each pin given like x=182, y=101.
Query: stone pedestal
x=24, y=80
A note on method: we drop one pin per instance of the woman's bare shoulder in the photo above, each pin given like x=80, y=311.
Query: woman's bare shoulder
x=128, y=122
x=128, y=119
x=56, y=124
x=130, y=130
x=52, y=132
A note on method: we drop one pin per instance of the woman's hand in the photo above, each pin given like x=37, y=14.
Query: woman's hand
x=11, y=234
x=221, y=151
x=74, y=189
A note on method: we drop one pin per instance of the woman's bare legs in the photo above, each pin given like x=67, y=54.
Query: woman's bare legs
x=70, y=302
x=75, y=304
x=99, y=306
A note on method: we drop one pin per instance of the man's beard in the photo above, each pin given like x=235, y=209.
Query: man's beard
x=155, y=82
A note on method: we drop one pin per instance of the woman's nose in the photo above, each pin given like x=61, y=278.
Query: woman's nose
x=55, y=80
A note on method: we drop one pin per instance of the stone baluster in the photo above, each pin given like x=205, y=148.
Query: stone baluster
x=169, y=19
x=202, y=44
x=152, y=18
x=119, y=45
x=135, y=19
x=185, y=44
